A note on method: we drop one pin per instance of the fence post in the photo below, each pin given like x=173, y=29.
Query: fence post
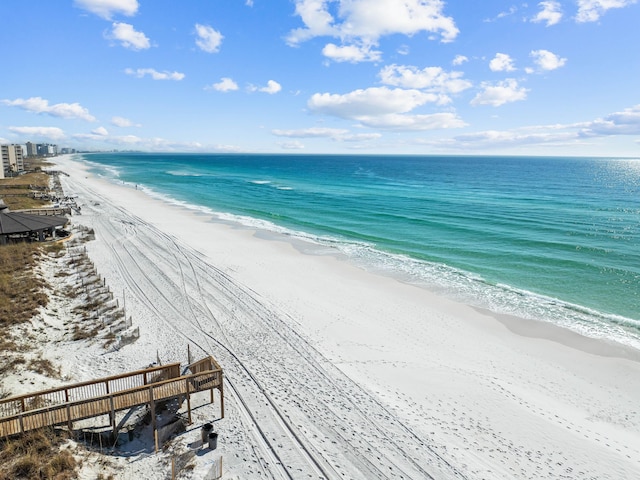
x=188, y=400
x=112, y=416
x=69, y=421
x=152, y=406
x=221, y=390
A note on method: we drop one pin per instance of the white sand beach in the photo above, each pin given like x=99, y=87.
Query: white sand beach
x=335, y=372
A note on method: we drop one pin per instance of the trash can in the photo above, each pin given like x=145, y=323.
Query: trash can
x=213, y=441
x=207, y=428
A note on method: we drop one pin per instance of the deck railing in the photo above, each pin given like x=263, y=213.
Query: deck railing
x=104, y=396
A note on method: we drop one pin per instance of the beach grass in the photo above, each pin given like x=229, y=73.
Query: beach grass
x=16, y=191
x=37, y=454
x=21, y=291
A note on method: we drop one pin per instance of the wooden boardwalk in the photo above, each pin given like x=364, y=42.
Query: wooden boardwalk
x=108, y=395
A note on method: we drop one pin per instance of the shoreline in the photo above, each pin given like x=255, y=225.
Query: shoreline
x=547, y=331
x=478, y=390
x=459, y=285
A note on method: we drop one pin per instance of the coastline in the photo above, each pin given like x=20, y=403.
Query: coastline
x=488, y=395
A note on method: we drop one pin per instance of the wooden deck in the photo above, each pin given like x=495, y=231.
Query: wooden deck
x=108, y=395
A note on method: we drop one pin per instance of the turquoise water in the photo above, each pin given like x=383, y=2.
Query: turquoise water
x=554, y=239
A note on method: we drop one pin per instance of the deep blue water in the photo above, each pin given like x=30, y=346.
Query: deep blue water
x=554, y=239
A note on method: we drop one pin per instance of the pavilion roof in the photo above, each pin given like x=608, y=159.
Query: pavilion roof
x=16, y=222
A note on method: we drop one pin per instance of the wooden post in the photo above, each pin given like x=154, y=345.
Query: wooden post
x=112, y=416
x=188, y=401
x=152, y=406
x=173, y=468
x=188, y=353
x=221, y=390
x=69, y=421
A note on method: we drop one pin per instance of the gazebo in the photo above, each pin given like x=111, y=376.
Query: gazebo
x=23, y=226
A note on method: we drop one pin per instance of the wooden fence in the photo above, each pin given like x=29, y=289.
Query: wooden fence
x=106, y=396
x=46, y=211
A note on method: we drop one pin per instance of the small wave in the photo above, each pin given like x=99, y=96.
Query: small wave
x=280, y=187
x=106, y=170
x=183, y=173
x=474, y=290
x=260, y=182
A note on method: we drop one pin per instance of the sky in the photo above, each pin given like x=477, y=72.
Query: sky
x=477, y=77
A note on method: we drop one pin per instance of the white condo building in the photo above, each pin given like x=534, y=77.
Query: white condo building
x=12, y=159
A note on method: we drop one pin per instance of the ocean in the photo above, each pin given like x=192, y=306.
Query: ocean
x=550, y=239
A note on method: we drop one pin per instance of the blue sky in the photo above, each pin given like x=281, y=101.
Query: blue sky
x=323, y=76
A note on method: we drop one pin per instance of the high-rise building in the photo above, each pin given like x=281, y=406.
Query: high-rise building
x=12, y=159
x=47, y=150
x=32, y=149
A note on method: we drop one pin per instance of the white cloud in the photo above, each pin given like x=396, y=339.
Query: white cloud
x=148, y=144
x=550, y=12
x=546, y=60
x=430, y=78
x=107, y=8
x=626, y=122
x=295, y=145
x=371, y=101
x=314, y=132
x=52, y=133
x=225, y=84
x=395, y=121
x=337, y=134
x=317, y=19
x=498, y=94
x=129, y=37
x=592, y=10
x=351, y=53
x=363, y=22
x=382, y=107
x=507, y=13
x=126, y=140
x=501, y=63
x=492, y=139
x=100, y=131
x=459, y=60
x=62, y=110
x=123, y=122
x=209, y=40
x=271, y=88
x=154, y=74
x=358, y=137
